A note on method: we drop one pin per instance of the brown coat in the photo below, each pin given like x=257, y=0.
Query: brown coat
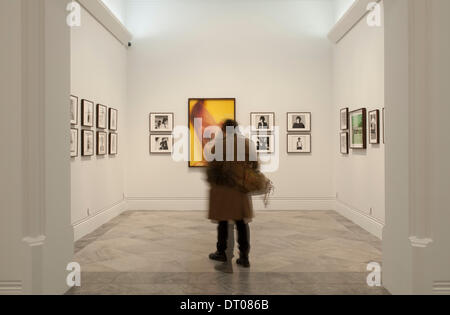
x=226, y=201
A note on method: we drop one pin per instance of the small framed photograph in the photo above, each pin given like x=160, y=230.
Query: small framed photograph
x=87, y=143
x=344, y=142
x=384, y=124
x=113, y=143
x=262, y=122
x=161, y=144
x=102, y=142
x=87, y=113
x=101, y=116
x=73, y=110
x=299, y=143
x=344, y=119
x=358, y=129
x=161, y=122
x=113, y=119
x=73, y=143
x=299, y=122
x=374, y=127
x=264, y=143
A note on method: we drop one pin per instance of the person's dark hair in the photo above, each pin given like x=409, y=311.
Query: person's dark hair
x=299, y=118
x=229, y=123
x=262, y=118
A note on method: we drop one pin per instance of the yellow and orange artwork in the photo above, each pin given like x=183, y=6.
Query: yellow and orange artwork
x=213, y=112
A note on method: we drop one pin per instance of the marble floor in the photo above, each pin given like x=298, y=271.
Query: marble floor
x=293, y=252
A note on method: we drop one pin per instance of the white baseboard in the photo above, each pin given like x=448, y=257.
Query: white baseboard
x=91, y=223
x=368, y=223
x=201, y=204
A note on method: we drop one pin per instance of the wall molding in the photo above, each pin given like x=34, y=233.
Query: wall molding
x=90, y=224
x=13, y=287
x=349, y=20
x=365, y=221
x=108, y=20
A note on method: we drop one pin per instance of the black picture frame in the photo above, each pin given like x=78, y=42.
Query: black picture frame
x=154, y=129
x=307, y=123
x=374, y=126
x=344, y=123
x=271, y=126
x=85, y=145
x=102, y=124
x=102, y=151
x=87, y=113
x=113, y=143
x=288, y=149
x=74, y=102
x=153, y=138
x=113, y=119
x=344, y=148
x=74, y=153
x=363, y=113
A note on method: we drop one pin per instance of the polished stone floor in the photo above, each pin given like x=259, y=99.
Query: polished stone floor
x=293, y=252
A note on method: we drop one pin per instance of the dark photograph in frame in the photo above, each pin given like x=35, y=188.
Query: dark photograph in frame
x=73, y=142
x=344, y=119
x=73, y=110
x=161, y=122
x=113, y=143
x=102, y=143
x=344, y=142
x=87, y=143
x=102, y=116
x=262, y=122
x=161, y=144
x=299, y=122
x=87, y=113
x=374, y=127
x=358, y=129
x=264, y=143
x=113, y=119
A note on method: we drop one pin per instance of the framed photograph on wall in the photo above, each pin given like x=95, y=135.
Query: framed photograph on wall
x=102, y=143
x=87, y=113
x=101, y=116
x=73, y=143
x=344, y=119
x=113, y=143
x=161, y=122
x=87, y=143
x=262, y=122
x=384, y=132
x=299, y=122
x=344, y=142
x=264, y=143
x=161, y=144
x=212, y=112
x=358, y=129
x=374, y=127
x=299, y=144
x=113, y=119
x=73, y=110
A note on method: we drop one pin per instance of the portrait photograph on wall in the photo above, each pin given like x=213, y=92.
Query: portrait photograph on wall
x=113, y=143
x=299, y=143
x=73, y=142
x=73, y=110
x=161, y=122
x=113, y=119
x=212, y=112
x=344, y=142
x=101, y=116
x=374, y=127
x=358, y=126
x=102, y=138
x=264, y=143
x=344, y=119
x=161, y=144
x=87, y=143
x=299, y=122
x=87, y=113
x=262, y=122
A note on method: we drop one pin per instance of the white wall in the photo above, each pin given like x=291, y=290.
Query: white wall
x=98, y=73
x=341, y=7
x=358, y=81
x=270, y=56
x=118, y=7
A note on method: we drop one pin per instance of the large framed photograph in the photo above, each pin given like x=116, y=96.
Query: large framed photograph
x=374, y=127
x=299, y=122
x=358, y=129
x=113, y=143
x=264, y=143
x=344, y=142
x=102, y=143
x=161, y=122
x=101, y=116
x=73, y=143
x=161, y=144
x=299, y=143
x=206, y=112
x=344, y=119
x=73, y=110
x=262, y=122
x=87, y=113
x=113, y=119
x=87, y=143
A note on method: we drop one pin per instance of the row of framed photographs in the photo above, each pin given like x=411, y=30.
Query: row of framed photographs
x=106, y=144
x=354, y=127
x=106, y=118
x=265, y=122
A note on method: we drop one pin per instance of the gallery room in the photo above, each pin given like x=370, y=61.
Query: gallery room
x=333, y=178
